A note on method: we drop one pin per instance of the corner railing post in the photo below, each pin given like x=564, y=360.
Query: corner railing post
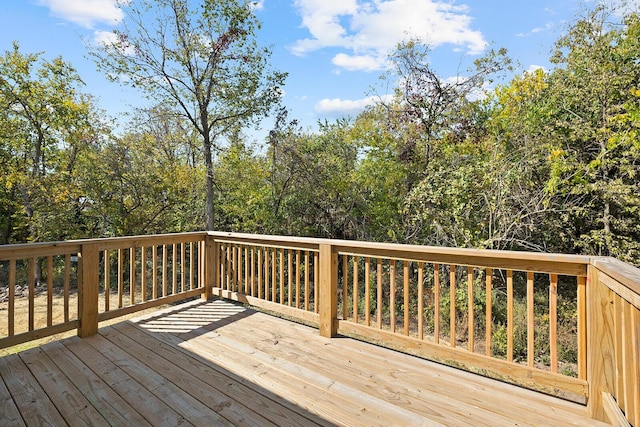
x=88, y=265
x=328, y=291
x=600, y=343
x=211, y=266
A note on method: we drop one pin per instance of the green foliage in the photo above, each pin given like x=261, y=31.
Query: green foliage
x=202, y=63
x=46, y=127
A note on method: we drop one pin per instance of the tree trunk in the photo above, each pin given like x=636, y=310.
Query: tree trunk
x=208, y=158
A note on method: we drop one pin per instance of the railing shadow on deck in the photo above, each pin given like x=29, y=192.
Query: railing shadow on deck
x=502, y=314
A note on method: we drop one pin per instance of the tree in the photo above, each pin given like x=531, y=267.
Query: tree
x=46, y=125
x=595, y=158
x=435, y=104
x=147, y=181
x=203, y=63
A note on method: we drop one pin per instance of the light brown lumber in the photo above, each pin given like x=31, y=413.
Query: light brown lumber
x=613, y=412
x=146, y=403
x=112, y=407
x=445, y=388
x=215, y=379
x=357, y=374
x=508, y=371
x=165, y=381
x=70, y=402
x=33, y=403
x=321, y=395
x=10, y=414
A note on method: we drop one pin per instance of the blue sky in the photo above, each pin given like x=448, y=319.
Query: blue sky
x=333, y=50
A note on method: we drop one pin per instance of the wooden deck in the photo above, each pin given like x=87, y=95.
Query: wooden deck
x=215, y=363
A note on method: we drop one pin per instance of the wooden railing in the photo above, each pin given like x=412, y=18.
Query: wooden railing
x=562, y=324
x=95, y=280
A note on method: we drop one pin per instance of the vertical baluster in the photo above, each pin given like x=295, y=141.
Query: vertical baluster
x=274, y=283
x=67, y=280
x=392, y=294
x=32, y=281
x=239, y=268
x=553, y=321
x=246, y=271
x=120, y=277
x=470, y=311
x=316, y=282
x=436, y=303
x=225, y=268
x=452, y=305
x=345, y=286
x=49, y=290
x=582, y=327
x=367, y=291
x=260, y=269
x=253, y=271
x=154, y=275
x=132, y=275
x=297, y=279
x=12, y=298
x=355, y=289
x=379, y=293
x=266, y=273
x=619, y=347
x=625, y=358
x=420, y=300
x=509, y=315
x=183, y=271
x=306, y=280
x=107, y=281
x=281, y=266
x=406, y=297
x=143, y=273
x=489, y=314
x=165, y=279
x=634, y=365
x=191, y=265
x=290, y=277
x=174, y=269
x=530, y=320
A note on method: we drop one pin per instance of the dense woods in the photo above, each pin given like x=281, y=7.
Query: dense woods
x=546, y=160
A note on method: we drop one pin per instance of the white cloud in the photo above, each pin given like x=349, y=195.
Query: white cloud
x=369, y=30
x=347, y=106
x=85, y=13
x=358, y=62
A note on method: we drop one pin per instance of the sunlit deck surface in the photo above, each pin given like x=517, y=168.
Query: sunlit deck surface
x=215, y=363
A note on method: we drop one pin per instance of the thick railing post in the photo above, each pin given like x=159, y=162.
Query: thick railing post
x=211, y=266
x=328, y=291
x=88, y=274
x=600, y=344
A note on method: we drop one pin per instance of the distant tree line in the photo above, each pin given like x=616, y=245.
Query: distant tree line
x=546, y=161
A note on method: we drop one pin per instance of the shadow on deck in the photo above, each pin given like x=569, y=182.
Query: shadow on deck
x=216, y=363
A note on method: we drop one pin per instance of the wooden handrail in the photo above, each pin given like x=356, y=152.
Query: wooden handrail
x=368, y=290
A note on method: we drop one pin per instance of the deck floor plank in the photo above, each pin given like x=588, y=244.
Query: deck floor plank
x=71, y=403
x=33, y=403
x=175, y=383
x=10, y=413
x=152, y=408
x=104, y=399
x=218, y=363
x=216, y=379
x=377, y=380
x=432, y=388
x=328, y=397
